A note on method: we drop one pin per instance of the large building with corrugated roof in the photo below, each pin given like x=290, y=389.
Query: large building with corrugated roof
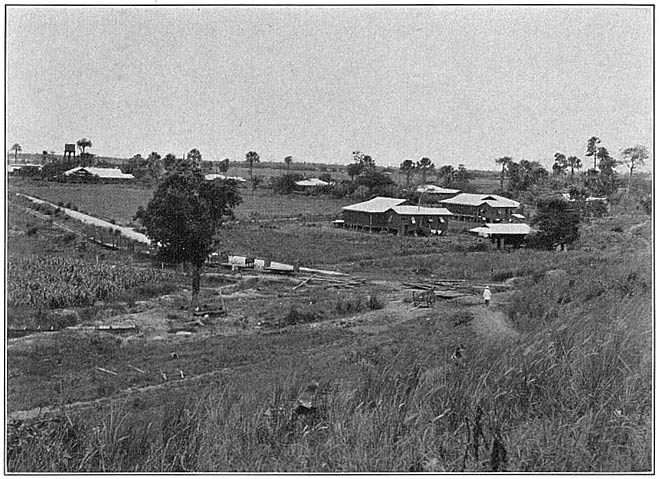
x=394, y=215
x=90, y=173
x=481, y=208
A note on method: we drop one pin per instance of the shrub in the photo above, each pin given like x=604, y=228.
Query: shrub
x=285, y=185
x=375, y=302
x=296, y=316
x=460, y=317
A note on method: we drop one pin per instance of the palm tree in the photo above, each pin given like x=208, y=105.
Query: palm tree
x=425, y=165
x=573, y=162
x=84, y=143
x=408, y=168
x=288, y=160
x=16, y=148
x=591, y=149
x=504, y=161
x=251, y=157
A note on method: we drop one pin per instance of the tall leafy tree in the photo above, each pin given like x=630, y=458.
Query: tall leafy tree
x=425, y=166
x=354, y=170
x=504, y=161
x=252, y=157
x=185, y=214
x=16, y=148
x=462, y=177
x=223, y=165
x=525, y=174
x=362, y=163
x=608, y=183
x=560, y=164
x=603, y=156
x=407, y=167
x=591, y=149
x=574, y=163
x=446, y=174
x=155, y=165
x=633, y=157
x=169, y=161
x=557, y=223
x=366, y=161
x=194, y=155
x=83, y=144
x=288, y=160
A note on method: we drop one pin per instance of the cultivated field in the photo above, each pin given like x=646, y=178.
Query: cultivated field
x=555, y=375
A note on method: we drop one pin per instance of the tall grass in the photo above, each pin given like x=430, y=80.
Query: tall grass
x=572, y=393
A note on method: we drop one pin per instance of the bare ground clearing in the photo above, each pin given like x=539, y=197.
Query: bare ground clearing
x=158, y=318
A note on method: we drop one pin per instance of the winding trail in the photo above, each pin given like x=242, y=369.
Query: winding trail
x=91, y=220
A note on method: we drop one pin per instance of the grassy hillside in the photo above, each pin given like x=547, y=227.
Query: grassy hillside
x=554, y=376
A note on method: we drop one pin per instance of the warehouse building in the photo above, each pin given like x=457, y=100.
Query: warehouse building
x=481, y=208
x=393, y=215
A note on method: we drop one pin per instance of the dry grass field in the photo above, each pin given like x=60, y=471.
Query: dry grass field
x=554, y=376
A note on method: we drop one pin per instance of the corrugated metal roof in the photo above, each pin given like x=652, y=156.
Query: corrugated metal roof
x=502, y=229
x=215, y=176
x=379, y=204
x=18, y=166
x=114, y=173
x=421, y=210
x=312, y=182
x=435, y=189
x=474, y=199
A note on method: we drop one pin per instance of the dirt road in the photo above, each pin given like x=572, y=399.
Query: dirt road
x=127, y=232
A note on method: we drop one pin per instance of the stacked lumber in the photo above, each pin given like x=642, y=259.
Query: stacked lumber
x=332, y=282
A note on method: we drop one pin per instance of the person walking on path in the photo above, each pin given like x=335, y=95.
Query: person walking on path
x=487, y=295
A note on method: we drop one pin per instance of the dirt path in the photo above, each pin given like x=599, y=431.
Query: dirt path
x=491, y=324
x=84, y=218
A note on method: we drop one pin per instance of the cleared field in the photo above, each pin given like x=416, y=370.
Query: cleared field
x=120, y=202
x=109, y=202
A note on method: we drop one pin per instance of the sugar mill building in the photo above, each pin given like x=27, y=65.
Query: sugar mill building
x=89, y=174
x=480, y=208
x=393, y=215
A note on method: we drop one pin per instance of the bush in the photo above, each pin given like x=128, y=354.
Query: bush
x=285, y=185
x=375, y=302
x=460, y=317
x=342, y=189
x=296, y=316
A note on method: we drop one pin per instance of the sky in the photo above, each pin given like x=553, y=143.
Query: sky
x=456, y=84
